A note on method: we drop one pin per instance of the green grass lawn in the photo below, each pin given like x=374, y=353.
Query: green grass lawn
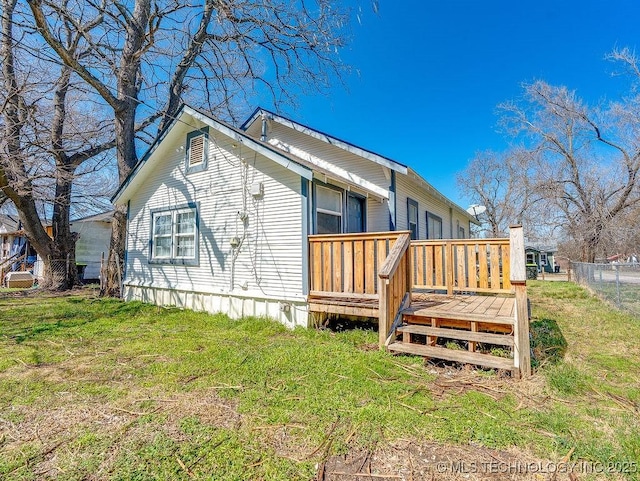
x=102, y=389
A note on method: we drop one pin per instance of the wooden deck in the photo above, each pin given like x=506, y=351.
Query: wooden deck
x=489, y=309
x=498, y=310
x=430, y=296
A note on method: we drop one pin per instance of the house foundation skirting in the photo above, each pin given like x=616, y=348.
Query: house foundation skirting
x=287, y=312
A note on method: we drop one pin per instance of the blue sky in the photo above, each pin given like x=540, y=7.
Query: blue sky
x=430, y=74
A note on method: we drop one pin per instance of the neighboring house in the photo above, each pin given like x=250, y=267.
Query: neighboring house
x=543, y=256
x=16, y=253
x=218, y=217
x=8, y=232
x=94, y=237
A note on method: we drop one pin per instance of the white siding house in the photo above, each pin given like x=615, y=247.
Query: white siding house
x=218, y=217
x=94, y=236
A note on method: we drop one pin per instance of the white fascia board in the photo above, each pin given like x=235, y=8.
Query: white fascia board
x=420, y=180
x=252, y=144
x=122, y=194
x=378, y=159
x=331, y=170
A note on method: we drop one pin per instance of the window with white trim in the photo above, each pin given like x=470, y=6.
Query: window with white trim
x=328, y=210
x=174, y=236
x=412, y=217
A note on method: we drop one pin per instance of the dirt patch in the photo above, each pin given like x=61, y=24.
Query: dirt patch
x=412, y=460
x=41, y=293
x=51, y=432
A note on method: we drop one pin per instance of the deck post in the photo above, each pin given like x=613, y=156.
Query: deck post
x=522, y=348
x=392, y=288
x=383, y=321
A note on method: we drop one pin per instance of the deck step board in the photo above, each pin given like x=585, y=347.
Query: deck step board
x=456, y=315
x=452, y=355
x=484, y=337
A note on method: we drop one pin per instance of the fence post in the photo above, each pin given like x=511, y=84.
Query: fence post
x=119, y=275
x=521, y=354
x=102, y=271
x=617, y=268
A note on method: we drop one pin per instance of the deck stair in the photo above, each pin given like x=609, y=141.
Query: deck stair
x=429, y=321
x=461, y=300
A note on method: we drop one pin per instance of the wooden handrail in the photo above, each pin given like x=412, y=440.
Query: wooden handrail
x=394, y=286
x=354, y=236
x=395, y=255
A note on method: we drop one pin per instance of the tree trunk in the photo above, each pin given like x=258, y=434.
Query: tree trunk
x=126, y=155
x=128, y=79
x=58, y=254
x=114, y=269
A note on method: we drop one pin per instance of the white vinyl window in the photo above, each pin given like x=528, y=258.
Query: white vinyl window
x=328, y=210
x=175, y=235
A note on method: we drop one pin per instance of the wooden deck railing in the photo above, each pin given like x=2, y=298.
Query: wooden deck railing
x=347, y=265
x=468, y=265
x=384, y=268
x=394, y=286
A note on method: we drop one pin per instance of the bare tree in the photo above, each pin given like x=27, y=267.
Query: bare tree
x=42, y=143
x=155, y=53
x=582, y=160
x=500, y=182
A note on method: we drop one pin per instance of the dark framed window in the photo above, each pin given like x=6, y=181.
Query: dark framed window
x=338, y=211
x=412, y=217
x=434, y=226
x=174, y=236
x=461, y=232
x=197, y=150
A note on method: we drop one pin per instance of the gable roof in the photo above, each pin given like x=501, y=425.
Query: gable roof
x=324, y=137
x=354, y=149
x=101, y=217
x=8, y=223
x=282, y=158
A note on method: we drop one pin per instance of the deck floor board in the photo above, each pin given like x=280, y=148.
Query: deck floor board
x=496, y=309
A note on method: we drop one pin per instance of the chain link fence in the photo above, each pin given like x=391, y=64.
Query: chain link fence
x=99, y=273
x=619, y=284
x=88, y=272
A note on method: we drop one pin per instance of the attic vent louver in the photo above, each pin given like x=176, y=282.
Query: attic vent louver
x=196, y=150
